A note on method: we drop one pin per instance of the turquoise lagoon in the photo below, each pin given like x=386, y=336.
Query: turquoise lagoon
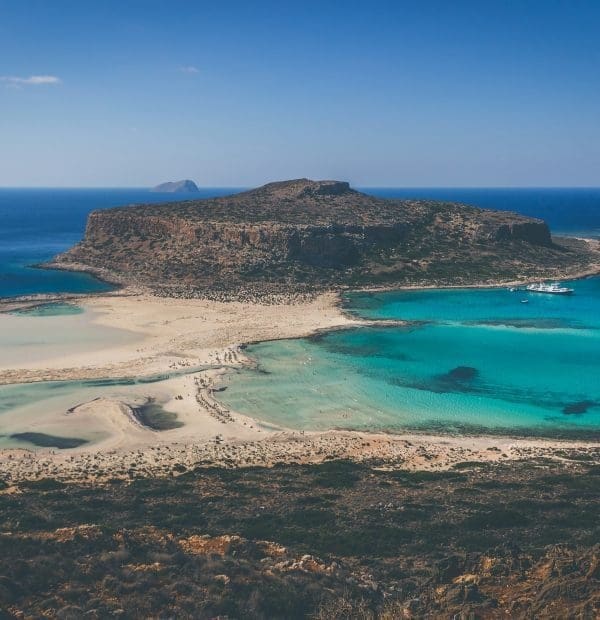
x=49, y=309
x=470, y=361
x=467, y=361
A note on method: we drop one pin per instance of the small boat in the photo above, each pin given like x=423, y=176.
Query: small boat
x=524, y=301
x=554, y=288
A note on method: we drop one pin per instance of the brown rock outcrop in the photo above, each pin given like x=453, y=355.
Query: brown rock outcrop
x=309, y=235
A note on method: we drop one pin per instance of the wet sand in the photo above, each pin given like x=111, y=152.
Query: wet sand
x=27, y=340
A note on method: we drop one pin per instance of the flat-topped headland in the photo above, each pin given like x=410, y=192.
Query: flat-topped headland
x=304, y=236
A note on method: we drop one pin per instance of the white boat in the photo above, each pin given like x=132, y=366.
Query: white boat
x=554, y=288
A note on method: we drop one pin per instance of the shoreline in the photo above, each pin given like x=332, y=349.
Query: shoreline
x=121, y=283
x=186, y=333
x=410, y=452
x=175, y=332
x=104, y=275
x=122, y=288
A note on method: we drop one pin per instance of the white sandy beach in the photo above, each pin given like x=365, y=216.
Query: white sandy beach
x=162, y=334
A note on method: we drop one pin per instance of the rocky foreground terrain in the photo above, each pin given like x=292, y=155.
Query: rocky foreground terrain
x=337, y=540
x=302, y=235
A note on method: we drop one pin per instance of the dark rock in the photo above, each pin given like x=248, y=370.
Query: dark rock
x=462, y=373
x=49, y=441
x=9, y=589
x=458, y=379
x=527, y=231
x=579, y=407
x=326, y=188
x=471, y=593
x=449, y=567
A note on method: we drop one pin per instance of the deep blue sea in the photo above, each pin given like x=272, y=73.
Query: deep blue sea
x=36, y=224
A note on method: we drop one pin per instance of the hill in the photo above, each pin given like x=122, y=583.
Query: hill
x=303, y=236
x=331, y=541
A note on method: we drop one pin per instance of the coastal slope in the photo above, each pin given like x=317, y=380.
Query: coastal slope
x=302, y=235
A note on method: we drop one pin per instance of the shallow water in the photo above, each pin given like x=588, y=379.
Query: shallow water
x=51, y=331
x=35, y=407
x=481, y=362
x=50, y=309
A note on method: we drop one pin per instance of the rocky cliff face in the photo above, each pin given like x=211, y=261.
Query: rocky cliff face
x=302, y=234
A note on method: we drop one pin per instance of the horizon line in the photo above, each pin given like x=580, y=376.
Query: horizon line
x=244, y=187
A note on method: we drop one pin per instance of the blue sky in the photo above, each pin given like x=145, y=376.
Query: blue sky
x=398, y=93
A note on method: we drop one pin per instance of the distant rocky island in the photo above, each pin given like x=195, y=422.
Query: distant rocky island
x=176, y=187
x=305, y=236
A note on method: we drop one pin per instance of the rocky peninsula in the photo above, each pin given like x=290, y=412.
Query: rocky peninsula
x=303, y=236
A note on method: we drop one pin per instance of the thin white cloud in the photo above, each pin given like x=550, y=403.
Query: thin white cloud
x=189, y=69
x=32, y=80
